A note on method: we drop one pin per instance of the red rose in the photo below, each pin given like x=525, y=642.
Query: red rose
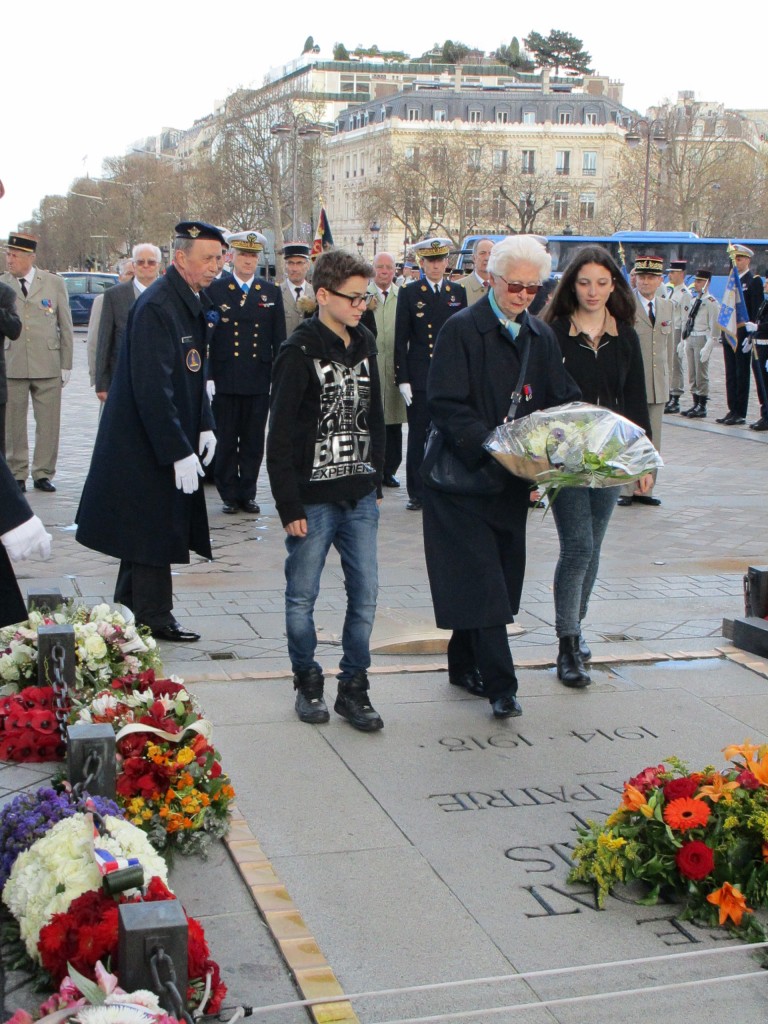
x=695, y=860
x=676, y=788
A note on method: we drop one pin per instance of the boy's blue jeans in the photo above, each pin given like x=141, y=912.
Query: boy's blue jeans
x=352, y=531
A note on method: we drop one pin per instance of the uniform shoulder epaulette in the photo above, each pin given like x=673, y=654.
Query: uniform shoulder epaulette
x=711, y=298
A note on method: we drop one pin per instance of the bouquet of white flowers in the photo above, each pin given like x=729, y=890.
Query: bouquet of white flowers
x=574, y=445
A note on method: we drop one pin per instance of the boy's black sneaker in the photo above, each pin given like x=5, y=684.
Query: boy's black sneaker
x=352, y=704
x=310, y=706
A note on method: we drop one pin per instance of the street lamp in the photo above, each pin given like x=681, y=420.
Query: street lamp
x=300, y=127
x=360, y=245
x=375, y=228
x=655, y=134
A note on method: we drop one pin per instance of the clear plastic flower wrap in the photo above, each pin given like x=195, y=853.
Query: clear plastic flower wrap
x=574, y=445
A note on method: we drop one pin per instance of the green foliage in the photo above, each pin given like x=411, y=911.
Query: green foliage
x=309, y=44
x=340, y=52
x=454, y=53
x=559, y=50
x=514, y=57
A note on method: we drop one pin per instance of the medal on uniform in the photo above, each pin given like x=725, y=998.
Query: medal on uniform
x=194, y=362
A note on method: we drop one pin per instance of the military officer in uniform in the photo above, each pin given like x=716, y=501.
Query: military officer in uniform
x=249, y=330
x=142, y=501
x=38, y=362
x=737, y=361
x=700, y=333
x=298, y=294
x=423, y=306
x=10, y=328
x=654, y=323
x=680, y=295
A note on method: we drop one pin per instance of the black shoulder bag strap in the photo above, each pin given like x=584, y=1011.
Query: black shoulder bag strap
x=517, y=394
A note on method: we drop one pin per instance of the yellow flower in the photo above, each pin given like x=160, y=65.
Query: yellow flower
x=610, y=842
x=185, y=755
x=718, y=790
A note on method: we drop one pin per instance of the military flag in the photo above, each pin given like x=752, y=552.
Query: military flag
x=733, y=309
x=323, y=236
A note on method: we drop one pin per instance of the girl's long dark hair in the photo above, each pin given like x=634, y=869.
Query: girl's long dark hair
x=621, y=302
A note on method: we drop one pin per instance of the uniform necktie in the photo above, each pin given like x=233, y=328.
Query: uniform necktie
x=245, y=288
x=298, y=293
x=23, y=284
x=385, y=294
x=651, y=315
x=436, y=289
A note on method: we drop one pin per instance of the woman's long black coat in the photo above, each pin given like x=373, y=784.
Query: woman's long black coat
x=157, y=406
x=475, y=546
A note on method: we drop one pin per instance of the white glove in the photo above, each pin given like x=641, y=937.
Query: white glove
x=210, y=387
x=681, y=350
x=28, y=539
x=706, y=352
x=207, y=445
x=750, y=327
x=187, y=472
x=65, y=375
x=746, y=345
x=405, y=391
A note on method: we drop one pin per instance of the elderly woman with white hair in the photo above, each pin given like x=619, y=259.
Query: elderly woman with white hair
x=475, y=542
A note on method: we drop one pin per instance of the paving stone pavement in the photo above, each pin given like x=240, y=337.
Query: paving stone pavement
x=380, y=858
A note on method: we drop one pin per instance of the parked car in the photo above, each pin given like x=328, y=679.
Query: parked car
x=83, y=287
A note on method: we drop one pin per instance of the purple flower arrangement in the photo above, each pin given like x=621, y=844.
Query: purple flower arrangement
x=30, y=815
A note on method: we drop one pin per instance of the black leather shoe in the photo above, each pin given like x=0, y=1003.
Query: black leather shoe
x=584, y=651
x=229, y=508
x=390, y=481
x=506, y=706
x=646, y=499
x=735, y=422
x=673, y=405
x=22, y=485
x=310, y=705
x=251, y=506
x=44, y=484
x=624, y=501
x=174, y=634
x=761, y=424
x=414, y=505
x=470, y=681
x=727, y=419
x=353, y=705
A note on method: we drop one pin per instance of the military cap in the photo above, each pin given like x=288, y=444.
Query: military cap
x=742, y=250
x=649, y=265
x=677, y=265
x=299, y=249
x=703, y=275
x=195, y=229
x=433, y=248
x=23, y=242
x=247, y=241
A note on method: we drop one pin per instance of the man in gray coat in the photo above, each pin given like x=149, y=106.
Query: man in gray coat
x=298, y=294
x=38, y=362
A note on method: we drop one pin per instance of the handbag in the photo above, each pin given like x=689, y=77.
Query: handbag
x=443, y=470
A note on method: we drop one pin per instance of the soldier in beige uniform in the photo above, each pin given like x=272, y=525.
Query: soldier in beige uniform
x=700, y=334
x=654, y=324
x=680, y=295
x=39, y=363
x=298, y=294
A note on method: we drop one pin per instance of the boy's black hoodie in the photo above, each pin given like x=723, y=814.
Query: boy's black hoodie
x=326, y=425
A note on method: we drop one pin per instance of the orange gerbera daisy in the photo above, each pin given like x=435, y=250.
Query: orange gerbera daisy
x=731, y=903
x=685, y=813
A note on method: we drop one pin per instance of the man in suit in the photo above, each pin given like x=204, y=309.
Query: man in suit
x=38, y=362
x=476, y=283
x=382, y=309
x=125, y=272
x=10, y=328
x=737, y=362
x=116, y=306
x=249, y=330
x=21, y=534
x=654, y=323
x=298, y=294
x=423, y=306
x=142, y=501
